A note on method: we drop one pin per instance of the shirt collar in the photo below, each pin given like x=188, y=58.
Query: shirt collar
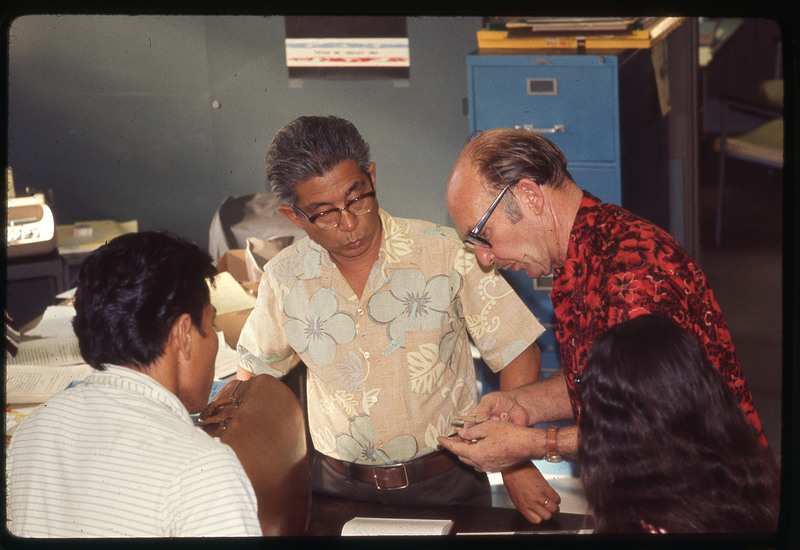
x=589, y=203
x=390, y=230
x=135, y=381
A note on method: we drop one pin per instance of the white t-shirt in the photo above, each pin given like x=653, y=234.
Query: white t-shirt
x=119, y=456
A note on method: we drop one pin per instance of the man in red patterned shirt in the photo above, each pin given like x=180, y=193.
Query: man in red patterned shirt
x=608, y=266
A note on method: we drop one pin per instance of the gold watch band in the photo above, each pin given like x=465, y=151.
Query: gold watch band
x=552, y=445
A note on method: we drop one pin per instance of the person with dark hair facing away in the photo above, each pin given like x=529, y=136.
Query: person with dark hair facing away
x=380, y=310
x=664, y=447
x=119, y=455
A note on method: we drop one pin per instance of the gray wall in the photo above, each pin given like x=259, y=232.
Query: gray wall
x=114, y=114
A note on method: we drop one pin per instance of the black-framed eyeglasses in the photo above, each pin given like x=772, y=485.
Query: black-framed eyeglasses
x=358, y=206
x=473, y=238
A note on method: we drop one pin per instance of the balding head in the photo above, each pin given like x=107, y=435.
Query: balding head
x=505, y=155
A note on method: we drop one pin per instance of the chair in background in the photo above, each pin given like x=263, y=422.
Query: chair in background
x=240, y=217
x=763, y=145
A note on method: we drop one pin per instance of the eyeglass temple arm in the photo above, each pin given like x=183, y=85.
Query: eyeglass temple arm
x=482, y=222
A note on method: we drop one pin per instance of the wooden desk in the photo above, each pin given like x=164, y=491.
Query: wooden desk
x=329, y=514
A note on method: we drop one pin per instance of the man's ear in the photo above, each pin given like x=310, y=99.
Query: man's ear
x=290, y=213
x=530, y=193
x=181, y=336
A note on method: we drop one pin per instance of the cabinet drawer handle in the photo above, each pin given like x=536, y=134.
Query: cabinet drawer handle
x=556, y=129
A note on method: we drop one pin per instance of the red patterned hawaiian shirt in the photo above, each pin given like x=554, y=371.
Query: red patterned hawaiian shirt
x=620, y=266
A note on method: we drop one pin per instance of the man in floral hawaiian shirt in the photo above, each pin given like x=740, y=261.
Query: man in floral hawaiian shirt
x=380, y=310
x=608, y=266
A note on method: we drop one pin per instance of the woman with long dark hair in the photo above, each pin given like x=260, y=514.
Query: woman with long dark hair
x=663, y=446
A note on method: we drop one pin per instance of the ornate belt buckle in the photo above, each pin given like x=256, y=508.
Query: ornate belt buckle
x=383, y=470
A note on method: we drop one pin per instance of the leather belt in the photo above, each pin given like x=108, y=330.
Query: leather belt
x=400, y=475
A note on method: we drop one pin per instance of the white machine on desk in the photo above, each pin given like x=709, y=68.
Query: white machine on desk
x=31, y=229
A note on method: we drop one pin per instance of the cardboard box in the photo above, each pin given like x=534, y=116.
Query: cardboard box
x=231, y=325
x=234, y=263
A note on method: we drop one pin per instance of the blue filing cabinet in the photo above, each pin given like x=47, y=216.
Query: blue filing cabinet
x=603, y=111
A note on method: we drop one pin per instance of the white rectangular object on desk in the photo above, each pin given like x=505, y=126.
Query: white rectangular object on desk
x=30, y=227
x=37, y=383
x=60, y=350
x=374, y=527
x=56, y=322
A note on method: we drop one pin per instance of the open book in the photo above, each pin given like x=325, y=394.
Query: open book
x=373, y=527
x=43, y=367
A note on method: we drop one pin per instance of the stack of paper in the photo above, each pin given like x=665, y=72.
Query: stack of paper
x=228, y=296
x=37, y=383
x=47, y=361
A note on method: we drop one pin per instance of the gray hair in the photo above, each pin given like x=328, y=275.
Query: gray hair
x=311, y=146
x=506, y=156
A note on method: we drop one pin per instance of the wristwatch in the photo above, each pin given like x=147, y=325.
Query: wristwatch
x=552, y=449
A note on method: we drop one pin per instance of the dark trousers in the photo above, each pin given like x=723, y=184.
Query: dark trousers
x=461, y=484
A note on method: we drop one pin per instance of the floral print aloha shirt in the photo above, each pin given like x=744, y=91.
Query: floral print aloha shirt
x=620, y=266
x=388, y=371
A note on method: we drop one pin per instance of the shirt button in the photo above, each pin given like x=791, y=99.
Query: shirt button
x=374, y=399
x=366, y=355
x=360, y=311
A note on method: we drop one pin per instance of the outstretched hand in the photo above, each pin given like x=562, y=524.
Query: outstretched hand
x=501, y=405
x=494, y=445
